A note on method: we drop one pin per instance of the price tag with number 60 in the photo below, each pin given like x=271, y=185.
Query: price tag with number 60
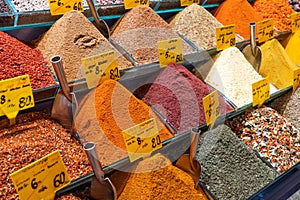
x=42, y=178
x=60, y=7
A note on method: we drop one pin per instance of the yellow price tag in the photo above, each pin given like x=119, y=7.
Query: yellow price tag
x=99, y=68
x=296, y=80
x=295, y=21
x=265, y=30
x=188, y=2
x=225, y=36
x=15, y=95
x=142, y=139
x=128, y=4
x=211, y=107
x=260, y=91
x=170, y=51
x=60, y=7
x=42, y=178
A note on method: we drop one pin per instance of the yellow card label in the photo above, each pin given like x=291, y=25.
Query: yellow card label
x=188, y=2
x=295, y=17
x=142, y=139
x=129, y=4
x=225, y=37
x=99, y=68
x=260, y=91
x=60, y=7
x=42, y=178
x=15, y=95
x=170, y=51
x=265, y=30
x=296, y=80
x=211, y=107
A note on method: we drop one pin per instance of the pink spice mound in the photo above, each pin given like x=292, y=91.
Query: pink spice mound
x=17, y=59
x=177, y=94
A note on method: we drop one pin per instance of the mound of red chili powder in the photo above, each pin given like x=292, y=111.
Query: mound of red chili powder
x=177, y=94
x=17, y=59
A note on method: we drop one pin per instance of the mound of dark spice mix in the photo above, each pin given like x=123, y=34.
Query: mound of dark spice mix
x=35, y=135
x=271, y=135
x=230, y=169
x=17, y=59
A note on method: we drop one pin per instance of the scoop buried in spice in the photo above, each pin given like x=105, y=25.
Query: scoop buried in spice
x=101, y=188
x=252, y=52
x=62, y=106
x=187, y=162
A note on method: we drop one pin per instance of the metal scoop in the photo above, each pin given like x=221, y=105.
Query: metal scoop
x=252, y=52
x=101, y=188
x=100, y=24
x=62, y=106
x=187, y=162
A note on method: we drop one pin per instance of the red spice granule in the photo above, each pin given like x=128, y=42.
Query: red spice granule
x=17, y=59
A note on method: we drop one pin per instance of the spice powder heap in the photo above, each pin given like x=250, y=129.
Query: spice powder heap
x=291, y=111
x=139, y=30
x=74, y=37
x=35, y=135
x=279, y=10
x=18, y=59
x=238, y=12
x=229, y=168
x=197, y=25
x=164, y=183
x=292, y=47
x=276, y=64
x=177, y=94
x=108, y=110
x=271, y=135
x=233, y=75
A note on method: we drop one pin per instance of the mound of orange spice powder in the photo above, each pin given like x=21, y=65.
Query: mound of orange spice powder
x=279, y=10
x=108, y=110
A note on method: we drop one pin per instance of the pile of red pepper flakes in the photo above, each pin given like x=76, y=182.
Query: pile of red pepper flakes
x=269, y=133
x=17, y=59
x=279, y=10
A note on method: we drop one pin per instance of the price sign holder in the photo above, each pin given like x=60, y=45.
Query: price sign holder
x=188, y=2
x=99, y=68
x=225, y=37
x=129, y=4
x=211, y=107
x=265, y=30
x=15, y=95
x=260, y=91
x=296, y=80
x=42, y=178
x=170, y=51
x=142, y=139
x=295, y=17
x=60, y=7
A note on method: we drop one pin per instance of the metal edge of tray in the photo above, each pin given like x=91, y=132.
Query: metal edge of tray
x=282, y=186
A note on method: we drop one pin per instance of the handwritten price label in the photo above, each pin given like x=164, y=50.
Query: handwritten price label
x=15, y=95
x=60, y=7
x=211, y=107
x=42, y=178
x=225, y=36
x=295, y=21
x=260, y=91
x=265, y=30
x=99, y=68
x=296, y=80
x=129, y=4
x=188, y=2
x=142, y=139
x=170, y=51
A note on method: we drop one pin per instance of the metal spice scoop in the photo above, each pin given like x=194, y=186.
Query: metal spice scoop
x=252, y=52
x=187, y=162
x=100, y=24
x=101, y=188
x=62, y=106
